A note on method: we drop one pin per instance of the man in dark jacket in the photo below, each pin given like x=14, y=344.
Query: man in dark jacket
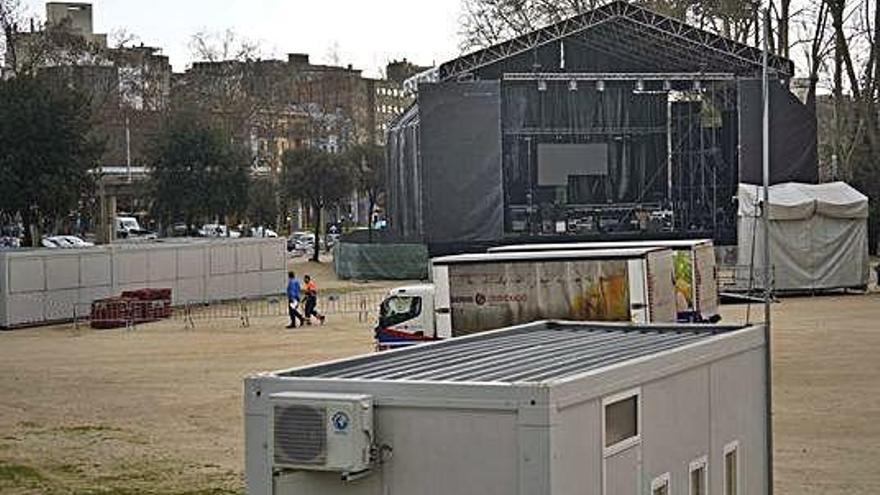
x=293, y=299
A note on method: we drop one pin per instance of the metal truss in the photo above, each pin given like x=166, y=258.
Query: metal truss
x=658, y=29
x=585, y=131
x=619, y=76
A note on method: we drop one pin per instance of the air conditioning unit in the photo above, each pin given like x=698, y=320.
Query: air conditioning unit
x=321, y=432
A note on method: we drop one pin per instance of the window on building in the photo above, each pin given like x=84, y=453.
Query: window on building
x=699, y=477
x=660, y=485
x=731, y=469
x=621, y=416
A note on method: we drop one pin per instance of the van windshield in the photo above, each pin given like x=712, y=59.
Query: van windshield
x=398, y=309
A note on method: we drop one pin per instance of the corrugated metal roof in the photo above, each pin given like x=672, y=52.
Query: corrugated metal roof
x=545, y=255
x=535, y=353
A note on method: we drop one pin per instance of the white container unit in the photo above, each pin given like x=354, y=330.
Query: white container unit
x=696, y=282
x=46, y=285
x=38, y=285
x=549, y=408
x=476, y=292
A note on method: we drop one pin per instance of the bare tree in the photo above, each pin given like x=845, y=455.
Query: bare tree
x=227, y=83
x=487, y=22
x=223, y=46
x=122, y=38
x=10, y=16
x=817, y=48
x=855, y=133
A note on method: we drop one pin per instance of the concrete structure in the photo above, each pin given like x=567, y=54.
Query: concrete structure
x=46, y=285
x=77, y=17
x=546, y=408
x=286, y=104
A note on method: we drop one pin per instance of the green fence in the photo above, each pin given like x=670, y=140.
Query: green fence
x=381, y=261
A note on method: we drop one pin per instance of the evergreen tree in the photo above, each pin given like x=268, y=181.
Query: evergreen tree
x=47, y=152
x=196, y=174
x=318, y=179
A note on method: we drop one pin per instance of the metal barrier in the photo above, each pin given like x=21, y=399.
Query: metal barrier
x=362, y=303
x=128, y=314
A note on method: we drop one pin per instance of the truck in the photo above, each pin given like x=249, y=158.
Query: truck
x=472, y=293
x=129, y=228
x=695, y=273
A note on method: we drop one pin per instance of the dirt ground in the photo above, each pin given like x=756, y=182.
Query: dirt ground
x=158, y=410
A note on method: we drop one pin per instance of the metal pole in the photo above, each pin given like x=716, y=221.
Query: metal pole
x=765, y=214
x=128, y=147
x=669, y=148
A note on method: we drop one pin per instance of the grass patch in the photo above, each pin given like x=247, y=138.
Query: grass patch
x=135, y=491
x=16, y=474
x=86, y=429
x=74, y=469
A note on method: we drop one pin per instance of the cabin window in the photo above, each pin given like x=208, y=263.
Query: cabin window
x=698, y=477
x=731, y=469
x=621, y=418
x=660, y=485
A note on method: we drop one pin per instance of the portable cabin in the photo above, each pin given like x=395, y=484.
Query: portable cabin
x=549, y=408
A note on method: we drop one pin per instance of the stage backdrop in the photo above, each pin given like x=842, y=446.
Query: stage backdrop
x=460, y=141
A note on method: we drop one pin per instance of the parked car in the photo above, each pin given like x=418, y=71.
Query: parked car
x=64, y=242
x=129, y=228
x=10, y=242
x=74, y=241
x=179, y=229
x=218, y=230
x=301, y=241
x=263, y=232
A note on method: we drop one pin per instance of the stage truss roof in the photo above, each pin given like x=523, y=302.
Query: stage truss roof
x=635, y=36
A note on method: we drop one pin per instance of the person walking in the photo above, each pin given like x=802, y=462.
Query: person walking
x=293, y=300
x=311, y=298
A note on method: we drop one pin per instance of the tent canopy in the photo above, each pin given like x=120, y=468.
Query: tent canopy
x=796, y=201
x=818, y=235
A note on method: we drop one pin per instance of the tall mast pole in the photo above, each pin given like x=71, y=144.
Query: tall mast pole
x=765, y=216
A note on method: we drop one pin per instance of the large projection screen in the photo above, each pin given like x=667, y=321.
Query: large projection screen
x=557, y=162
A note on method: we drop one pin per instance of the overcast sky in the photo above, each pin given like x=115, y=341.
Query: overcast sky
x=365, y=33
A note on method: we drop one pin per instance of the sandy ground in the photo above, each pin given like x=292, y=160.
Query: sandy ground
x=158, y=409
x=826, y=364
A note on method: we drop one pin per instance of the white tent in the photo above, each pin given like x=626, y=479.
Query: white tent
x=818, y=235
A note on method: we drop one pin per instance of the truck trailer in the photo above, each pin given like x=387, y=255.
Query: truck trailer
x=477, y=292
x=548, y=408
x=696, y=281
